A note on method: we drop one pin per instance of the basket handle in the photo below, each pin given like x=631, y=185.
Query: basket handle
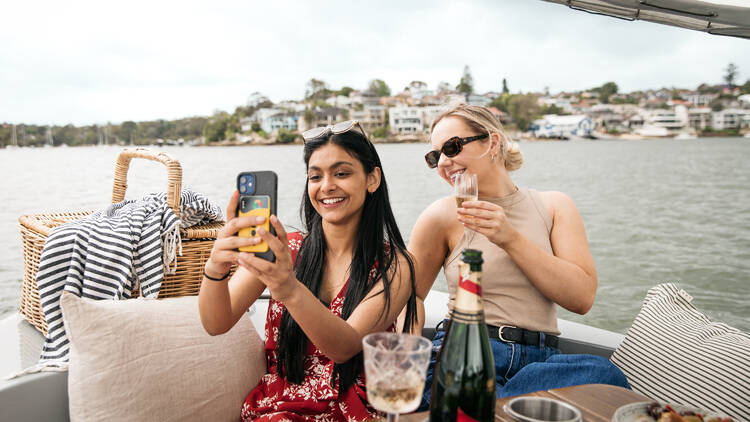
x=174, y=174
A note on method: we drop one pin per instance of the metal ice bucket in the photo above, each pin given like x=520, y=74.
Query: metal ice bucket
x=540, y=409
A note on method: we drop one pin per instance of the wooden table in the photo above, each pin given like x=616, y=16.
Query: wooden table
x=597, y=402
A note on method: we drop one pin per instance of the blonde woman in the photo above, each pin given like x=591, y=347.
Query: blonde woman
x=535, y=253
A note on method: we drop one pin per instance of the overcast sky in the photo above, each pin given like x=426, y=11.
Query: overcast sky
x=98, y=61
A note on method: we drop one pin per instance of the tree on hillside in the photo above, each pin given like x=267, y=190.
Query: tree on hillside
x=501, y=102
x=466, y=84
x=523, y=108
x=731, y=74
x=606, y=91
x=416, y=86
x=745, y=88
x=316, y=89
x=256, y=99
x=505, y=87
x=444, y=87
x=127, y=131
x=345, y=91
x=379, y=88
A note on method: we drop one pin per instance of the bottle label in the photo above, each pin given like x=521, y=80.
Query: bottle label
x=468, y=306
x=463, y=417
x=469, y=285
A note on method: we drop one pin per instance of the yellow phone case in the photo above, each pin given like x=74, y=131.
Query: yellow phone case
x=250, y=231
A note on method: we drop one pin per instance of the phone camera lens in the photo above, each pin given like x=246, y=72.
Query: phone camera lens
x=243, y=189
x=243, y=179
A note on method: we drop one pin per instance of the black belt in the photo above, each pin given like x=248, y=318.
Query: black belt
x=510, y=334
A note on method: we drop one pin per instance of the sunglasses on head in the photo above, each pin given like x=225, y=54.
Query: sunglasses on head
x=451, y=148
x=323, y=131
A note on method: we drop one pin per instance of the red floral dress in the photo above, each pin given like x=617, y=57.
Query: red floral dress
x=316, y=399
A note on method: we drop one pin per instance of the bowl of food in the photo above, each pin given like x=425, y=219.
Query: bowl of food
x=541, y=409
x=662, y=412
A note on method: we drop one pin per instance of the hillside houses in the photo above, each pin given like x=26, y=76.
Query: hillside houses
x=411, y=112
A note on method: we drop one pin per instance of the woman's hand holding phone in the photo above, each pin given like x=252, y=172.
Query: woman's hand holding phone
x=224, y=253
x=278, y=276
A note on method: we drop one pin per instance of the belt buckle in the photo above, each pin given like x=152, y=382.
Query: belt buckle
x=500, y=333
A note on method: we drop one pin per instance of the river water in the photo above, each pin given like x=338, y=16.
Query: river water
x=655, y=210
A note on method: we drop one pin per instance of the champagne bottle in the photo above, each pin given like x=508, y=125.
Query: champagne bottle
x=463, y=384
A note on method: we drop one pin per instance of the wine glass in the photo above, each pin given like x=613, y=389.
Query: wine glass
x=466, y=188
x=395, y=369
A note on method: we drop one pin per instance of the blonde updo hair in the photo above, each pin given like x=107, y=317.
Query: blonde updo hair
x=483, y=121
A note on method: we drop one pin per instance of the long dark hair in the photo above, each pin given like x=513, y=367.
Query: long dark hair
x=377, y=229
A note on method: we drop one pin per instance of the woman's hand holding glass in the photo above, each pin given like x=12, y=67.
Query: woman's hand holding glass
x=488, y=219
x=278, y=276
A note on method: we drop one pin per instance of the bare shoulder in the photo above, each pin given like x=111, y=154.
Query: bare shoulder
x=557, y=201
x=440, y=210
x=561, y=207
x=434, y=223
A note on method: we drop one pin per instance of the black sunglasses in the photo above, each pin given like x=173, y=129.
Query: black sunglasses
x=451, y=148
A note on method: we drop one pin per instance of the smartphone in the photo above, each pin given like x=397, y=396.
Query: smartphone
x=257, y=198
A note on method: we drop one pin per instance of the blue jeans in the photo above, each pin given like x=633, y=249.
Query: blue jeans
x=521, y=369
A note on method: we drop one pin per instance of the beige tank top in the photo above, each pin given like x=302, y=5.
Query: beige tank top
x=509, y=297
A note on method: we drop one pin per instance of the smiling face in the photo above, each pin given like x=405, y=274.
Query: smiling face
x=474, y=156
x=337, y=184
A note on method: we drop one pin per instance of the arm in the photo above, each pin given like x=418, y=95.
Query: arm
x=429, y=246
x=336, y=338
x=221, y=304
x=568, y=275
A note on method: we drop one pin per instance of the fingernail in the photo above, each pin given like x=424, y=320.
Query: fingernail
x=260, y=219
x=256, y=240
x=261, y=230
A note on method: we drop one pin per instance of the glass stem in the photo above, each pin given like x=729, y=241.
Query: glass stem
x=392, y=417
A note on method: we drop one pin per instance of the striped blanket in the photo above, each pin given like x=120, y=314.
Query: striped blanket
x=111, y=254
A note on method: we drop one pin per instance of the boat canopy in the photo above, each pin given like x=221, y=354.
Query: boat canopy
x=718, y=17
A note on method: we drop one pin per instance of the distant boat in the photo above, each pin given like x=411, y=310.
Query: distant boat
x=685, y=135
x=649, y=131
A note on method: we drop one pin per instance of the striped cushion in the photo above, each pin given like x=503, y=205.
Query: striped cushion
x=675, y=354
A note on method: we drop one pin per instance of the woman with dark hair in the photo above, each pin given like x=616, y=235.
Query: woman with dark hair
x=348, y=276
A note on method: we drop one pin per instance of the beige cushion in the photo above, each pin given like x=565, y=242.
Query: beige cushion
x=674, y=353
x=151, y=360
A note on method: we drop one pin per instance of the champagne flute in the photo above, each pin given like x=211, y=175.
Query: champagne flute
x=395, y=369
x=466, y=188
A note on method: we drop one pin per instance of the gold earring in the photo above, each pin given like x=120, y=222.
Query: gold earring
x=493, y=157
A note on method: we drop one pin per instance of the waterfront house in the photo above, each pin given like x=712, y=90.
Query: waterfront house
x=698, y=99
x=339, y=101
x=672, y=120
x=370, y=117
x=562, y=103
x=263, y=113
x=406, y=120
x=731, y=118
x=700, y=118
x=284, y=120
x=246, y=123
x=563, y=127
x=321, y=117
x=364, y=97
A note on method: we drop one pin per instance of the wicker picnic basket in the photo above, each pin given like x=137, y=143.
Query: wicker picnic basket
x=196, y=241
